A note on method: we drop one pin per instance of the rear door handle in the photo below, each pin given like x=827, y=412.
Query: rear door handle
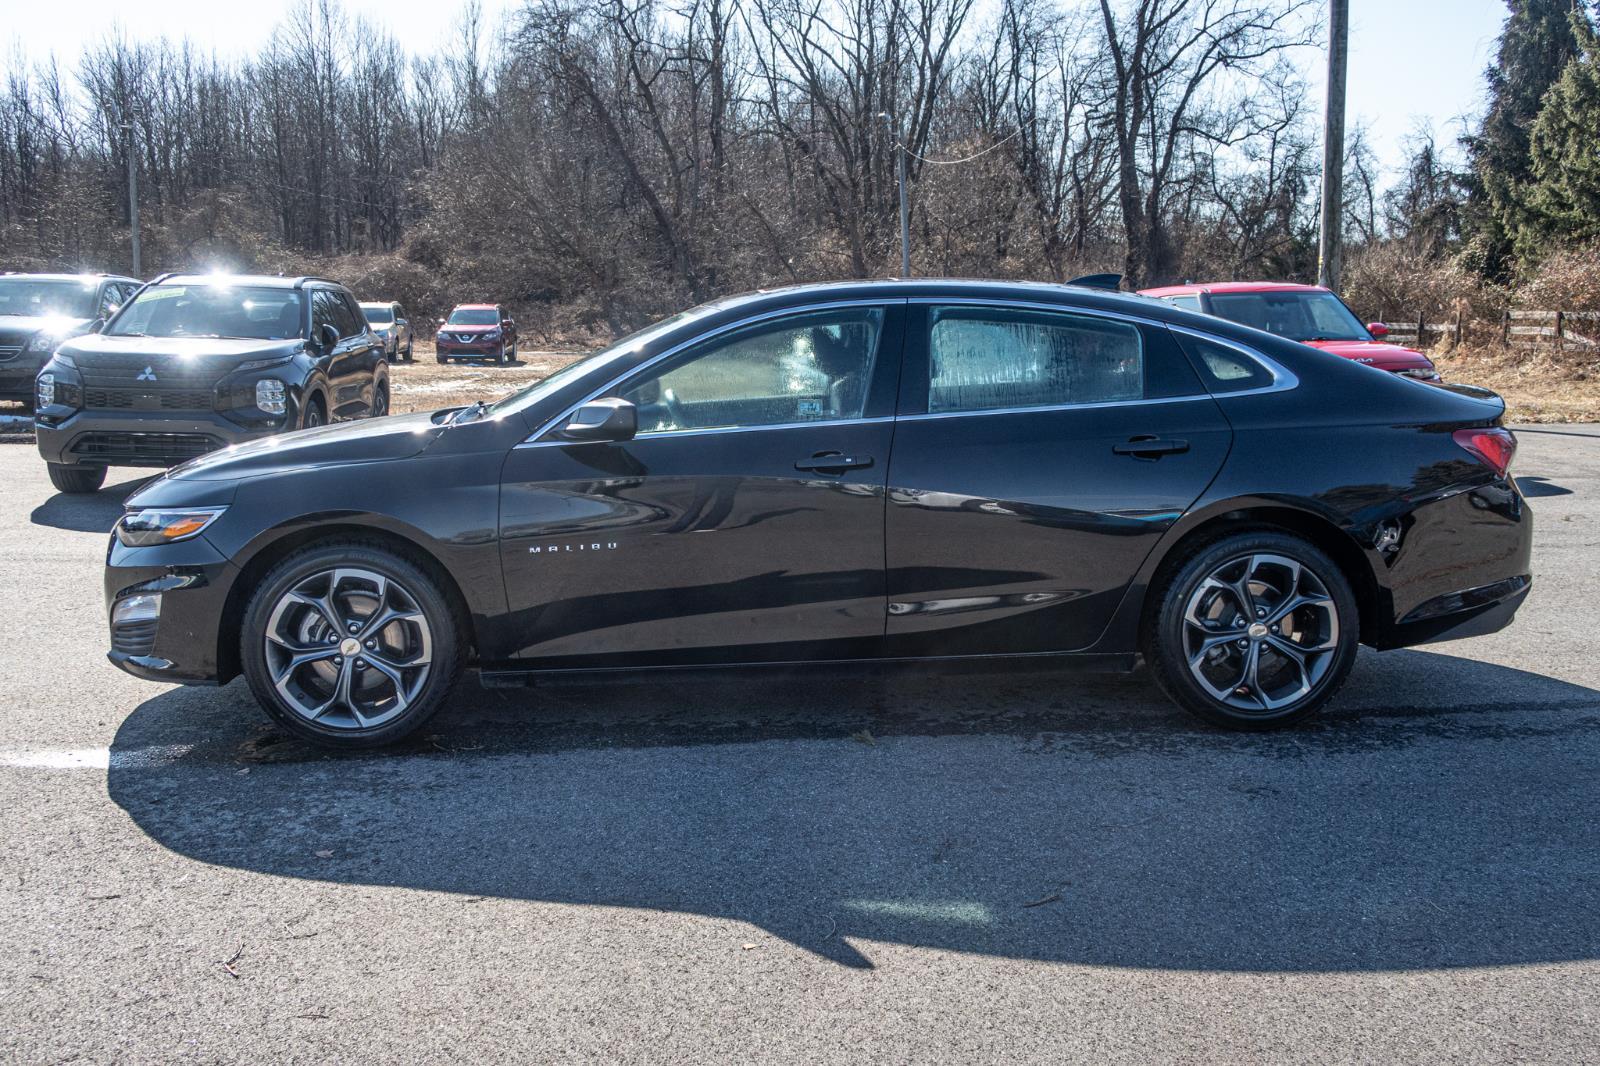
x=1150, y=447
x=834, y=461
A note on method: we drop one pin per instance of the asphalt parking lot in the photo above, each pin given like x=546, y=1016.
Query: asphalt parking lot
x=978, y=868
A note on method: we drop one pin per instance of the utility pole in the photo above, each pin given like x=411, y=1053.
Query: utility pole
x=1330, y=248
x=133, y=193
x=905, y=210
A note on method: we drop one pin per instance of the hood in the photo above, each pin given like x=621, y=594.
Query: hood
x=369, y=440
x=15, y=327
x=467, y=329
x=203, y=351
x=1383, y=356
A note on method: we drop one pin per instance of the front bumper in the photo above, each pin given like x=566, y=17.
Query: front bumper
x=139, y=438
x=182, y=645
x=17, y=376
x=476, y=350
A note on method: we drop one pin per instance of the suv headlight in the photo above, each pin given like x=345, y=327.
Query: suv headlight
x=270, y=395
x=491, y=334
x=162, y=525
x=43, y=342
x=46, y=389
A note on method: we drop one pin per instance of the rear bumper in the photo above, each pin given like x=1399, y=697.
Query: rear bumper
x=134, y=438
x=1473, y=612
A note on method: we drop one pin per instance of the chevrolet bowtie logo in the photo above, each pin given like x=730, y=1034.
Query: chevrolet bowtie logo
x=147, y=374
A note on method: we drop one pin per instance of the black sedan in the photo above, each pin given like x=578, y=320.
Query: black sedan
x=919, y=470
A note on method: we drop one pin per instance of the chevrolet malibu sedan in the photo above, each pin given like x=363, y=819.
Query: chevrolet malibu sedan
x=867, y=471
x=1309, y=314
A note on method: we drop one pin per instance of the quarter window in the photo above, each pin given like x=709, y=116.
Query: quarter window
x=1224, y=369
x=808, y=368
x=982, y=359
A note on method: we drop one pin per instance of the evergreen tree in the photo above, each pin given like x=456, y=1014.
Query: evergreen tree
x=1561, y=203
x=1535, y=47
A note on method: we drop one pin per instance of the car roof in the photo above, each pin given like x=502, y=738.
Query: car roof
x=945, y=288
x=379, y=303
x=476, y=307
x=84, y=278
x=1230, y=286
x=263, y=281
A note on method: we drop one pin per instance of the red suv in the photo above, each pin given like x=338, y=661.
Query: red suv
x=1309, y=314
x=477, y=331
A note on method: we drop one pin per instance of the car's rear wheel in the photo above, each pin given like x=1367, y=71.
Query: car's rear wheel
x=350, y=645
x=76, y=479
x=380, y=399
x=1253, y=631
x=409, y=345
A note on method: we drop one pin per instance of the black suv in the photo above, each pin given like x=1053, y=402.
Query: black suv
x=197, y=362
x=39, y=311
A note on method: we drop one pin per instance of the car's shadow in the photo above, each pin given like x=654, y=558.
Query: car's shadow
x=1444, y=814
x=1535, y=487
x=94, y=512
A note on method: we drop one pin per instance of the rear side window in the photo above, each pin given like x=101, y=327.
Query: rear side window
x=987, y=358
x=1222, y=367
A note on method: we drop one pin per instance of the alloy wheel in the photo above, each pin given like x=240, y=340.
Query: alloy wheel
x=348, y=648
x=1260, y=632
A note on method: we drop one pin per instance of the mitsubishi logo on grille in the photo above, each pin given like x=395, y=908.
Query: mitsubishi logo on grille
x=147, y=374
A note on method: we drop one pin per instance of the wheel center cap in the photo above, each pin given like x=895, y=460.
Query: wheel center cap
x=349, y=646
x=1257, y=631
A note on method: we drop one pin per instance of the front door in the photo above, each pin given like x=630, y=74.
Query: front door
x=744, y=523
x=1039, y=457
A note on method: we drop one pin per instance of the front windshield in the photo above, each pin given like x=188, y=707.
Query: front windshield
x=614, y=352
x=474, y=316
x=35, y=298
x=1300, y=316
x=244, y=312
x=378, y=316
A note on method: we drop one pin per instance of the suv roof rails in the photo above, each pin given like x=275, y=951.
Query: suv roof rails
x=300, y=282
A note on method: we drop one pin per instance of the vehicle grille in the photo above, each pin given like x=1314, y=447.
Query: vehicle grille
x=139, y=449
x=117, y=370
x=104, y=399
x=135, y=638
x=9, y=352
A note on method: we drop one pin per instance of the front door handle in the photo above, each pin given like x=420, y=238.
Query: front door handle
x=1150, y=447
x=833, y=461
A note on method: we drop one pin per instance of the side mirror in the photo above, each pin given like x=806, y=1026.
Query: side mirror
x=328, y=336
x=511, y=323
x=1377, y=329
x=440, y=321
x=610, y=419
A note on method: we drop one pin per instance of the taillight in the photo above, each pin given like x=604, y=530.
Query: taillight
x=1492, y=447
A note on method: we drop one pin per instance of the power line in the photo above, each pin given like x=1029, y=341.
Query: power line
x=963, y=159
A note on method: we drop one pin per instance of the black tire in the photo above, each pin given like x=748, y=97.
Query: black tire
x=315, y=414
x=442, y=359
x=339, y=729
x=380, y=400
x=409, y=356
x=79, y=480
x=1304, y=667
x=500, y=356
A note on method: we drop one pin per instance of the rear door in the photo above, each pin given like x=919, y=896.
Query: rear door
x=1039, y=455
x=744, y=523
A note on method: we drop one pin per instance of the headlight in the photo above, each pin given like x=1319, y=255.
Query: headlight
x=262, y=364
x=43, y=342
x=270, y=396
x=1420, y=374
x=159, y=525
x=46, y=388
x=491, y=335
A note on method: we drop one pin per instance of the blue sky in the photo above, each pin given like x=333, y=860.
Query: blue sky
x=1411, y=61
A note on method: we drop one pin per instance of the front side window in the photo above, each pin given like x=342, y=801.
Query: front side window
x=43, y=298
x=813, y=367
x=987, y=358
x=243, y=312
x=1300, y=316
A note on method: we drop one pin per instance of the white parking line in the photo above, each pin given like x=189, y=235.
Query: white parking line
x=91, y=758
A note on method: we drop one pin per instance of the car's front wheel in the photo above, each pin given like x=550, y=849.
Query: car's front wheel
x=350, y=645
x=76, y=479
x=1254, y=631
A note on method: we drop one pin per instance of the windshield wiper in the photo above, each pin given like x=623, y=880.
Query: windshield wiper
x=470, y=413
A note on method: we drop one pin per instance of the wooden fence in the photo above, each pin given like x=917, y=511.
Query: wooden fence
x=1518, y=329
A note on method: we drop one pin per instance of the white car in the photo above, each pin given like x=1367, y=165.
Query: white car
x=388, y=320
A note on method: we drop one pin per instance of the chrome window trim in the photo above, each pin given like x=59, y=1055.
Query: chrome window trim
x=674, y=434
x=532, y=439
x=1053, y=407
x=1283, y=379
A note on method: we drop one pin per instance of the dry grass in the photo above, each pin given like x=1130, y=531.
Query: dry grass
x=1538, y=386
x=424, y=385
